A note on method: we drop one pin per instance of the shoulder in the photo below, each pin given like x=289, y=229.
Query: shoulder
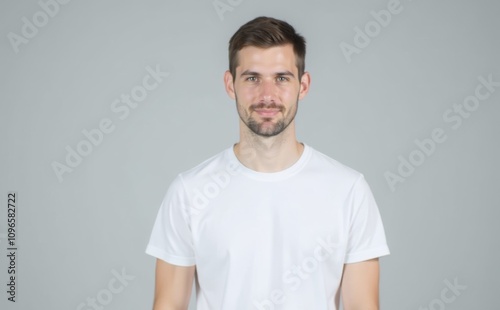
x=216, y=164
x=331, y=168
x=198, y=176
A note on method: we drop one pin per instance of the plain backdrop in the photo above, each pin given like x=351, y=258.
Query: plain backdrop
x=76, y=232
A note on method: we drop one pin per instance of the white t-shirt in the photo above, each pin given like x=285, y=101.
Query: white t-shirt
x=268, y=240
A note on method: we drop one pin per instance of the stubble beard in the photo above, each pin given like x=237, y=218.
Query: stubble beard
x=265, y=128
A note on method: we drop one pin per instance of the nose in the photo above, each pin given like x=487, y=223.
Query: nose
x=268, y=91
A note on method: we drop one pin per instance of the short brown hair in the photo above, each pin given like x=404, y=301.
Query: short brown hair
x=265, y=32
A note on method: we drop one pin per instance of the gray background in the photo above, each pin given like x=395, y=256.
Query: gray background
x=441, y=222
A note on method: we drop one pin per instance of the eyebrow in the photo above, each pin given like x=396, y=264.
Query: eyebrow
x=283, y=73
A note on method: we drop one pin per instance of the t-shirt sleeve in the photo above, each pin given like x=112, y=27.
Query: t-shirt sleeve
x=366, y=236
x=171, y=239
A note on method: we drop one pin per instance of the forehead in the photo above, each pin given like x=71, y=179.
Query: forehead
x=276, y=58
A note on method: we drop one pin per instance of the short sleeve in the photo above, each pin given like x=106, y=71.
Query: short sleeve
x=366, y=239
x=171, y=239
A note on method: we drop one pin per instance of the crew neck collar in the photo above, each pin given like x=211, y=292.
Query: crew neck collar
x=270, y=176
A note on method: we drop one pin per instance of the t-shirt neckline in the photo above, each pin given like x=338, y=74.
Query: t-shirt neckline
x=270, y=176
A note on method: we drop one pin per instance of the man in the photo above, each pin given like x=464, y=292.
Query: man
x=269, y=223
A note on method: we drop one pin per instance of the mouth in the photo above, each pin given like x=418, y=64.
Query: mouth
x=267, y=112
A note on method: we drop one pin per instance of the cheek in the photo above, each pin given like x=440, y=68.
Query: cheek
x=288, y=93
x=246, y=94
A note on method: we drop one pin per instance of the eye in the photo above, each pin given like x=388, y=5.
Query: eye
x=283, y=79
x=251, y=79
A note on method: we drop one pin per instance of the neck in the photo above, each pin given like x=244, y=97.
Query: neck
x=268, y=154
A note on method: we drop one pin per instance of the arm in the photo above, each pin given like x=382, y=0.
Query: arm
x=360, y=285
x=173, y=286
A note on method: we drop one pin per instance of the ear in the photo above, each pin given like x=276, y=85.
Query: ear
x=305, y=83
x=229, y=84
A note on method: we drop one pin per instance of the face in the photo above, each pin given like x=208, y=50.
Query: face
x=267, y=88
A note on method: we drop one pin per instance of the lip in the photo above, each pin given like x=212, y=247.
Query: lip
x=267, y=112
